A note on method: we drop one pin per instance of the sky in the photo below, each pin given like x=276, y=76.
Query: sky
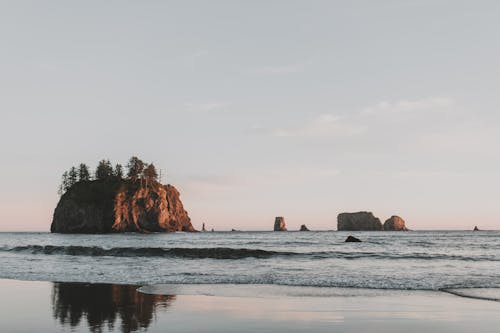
x=257, y=109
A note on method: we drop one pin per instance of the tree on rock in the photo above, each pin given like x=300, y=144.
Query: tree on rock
x=83, y=172
x=72, y=176
x=69, y=178
x=64, y=183
x=104, y=170
x=119, y=171
x=150, y=174
x=135, y=168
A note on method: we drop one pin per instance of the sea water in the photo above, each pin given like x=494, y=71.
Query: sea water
x=414, y=260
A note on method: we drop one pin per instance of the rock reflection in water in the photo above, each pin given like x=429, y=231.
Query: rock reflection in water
x=103, y=304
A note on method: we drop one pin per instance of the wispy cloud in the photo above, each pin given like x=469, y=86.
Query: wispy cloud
x=323, y=125
x=331, y=125
x=438, y=104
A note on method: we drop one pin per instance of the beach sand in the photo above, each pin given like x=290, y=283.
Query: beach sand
x=63, y=307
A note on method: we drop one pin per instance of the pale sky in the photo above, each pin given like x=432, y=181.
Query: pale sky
x=257, y=109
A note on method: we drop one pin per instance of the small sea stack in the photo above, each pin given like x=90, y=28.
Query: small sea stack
x=476, y=228
x=395, y=223
x=352, y=239
x=279, y=224
x=304, y=228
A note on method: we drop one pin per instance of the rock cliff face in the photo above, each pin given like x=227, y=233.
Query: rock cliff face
x=115, y=205
x=279, y=224
x=361, y=221
x=395, y=223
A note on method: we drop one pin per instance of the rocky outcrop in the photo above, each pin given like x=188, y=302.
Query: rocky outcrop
x=279, y=224
x=352, y=239
x=476, y=228
x=303, y=228
x=116, y=205
x=361, y=221
x=395, y=223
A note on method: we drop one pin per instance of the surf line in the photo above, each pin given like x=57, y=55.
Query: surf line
x=461, y=294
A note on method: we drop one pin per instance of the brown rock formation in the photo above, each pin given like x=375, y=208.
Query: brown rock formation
x=360, y=221
x=395, y=223
x=115, y=205
x=279, y=224
x=303, y=228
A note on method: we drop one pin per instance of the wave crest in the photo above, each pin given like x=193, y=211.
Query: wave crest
x=194, y=253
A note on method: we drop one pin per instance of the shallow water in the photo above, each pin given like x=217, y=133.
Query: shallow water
x=82, y=307
x=416, y=260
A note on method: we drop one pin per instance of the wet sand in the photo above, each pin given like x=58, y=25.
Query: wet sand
x=63, y=307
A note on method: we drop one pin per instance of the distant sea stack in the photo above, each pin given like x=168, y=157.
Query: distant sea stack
x=395, y=223
x=279, y=224
x=303, y=228
x=360, y=221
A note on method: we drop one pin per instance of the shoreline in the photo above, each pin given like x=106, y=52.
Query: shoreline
x=83, y=307
x=265, y=290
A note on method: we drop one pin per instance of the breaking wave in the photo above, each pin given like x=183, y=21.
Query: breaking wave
x=228, y=253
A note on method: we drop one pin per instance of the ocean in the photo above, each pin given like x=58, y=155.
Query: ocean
x=415, y=260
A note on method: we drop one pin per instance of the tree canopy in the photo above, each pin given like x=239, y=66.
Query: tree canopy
x=136, y=170
x=72, y=176
x=150, y=174
x=83, y=172
x=119, y=171
x=104, y=170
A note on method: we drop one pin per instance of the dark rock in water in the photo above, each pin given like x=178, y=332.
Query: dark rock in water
x=234, y=230
x=395, y=223
x=279, y=224
x=116, y=205
x=476, y=228
x=361, y=221
x=303, y=228
x=352, y=239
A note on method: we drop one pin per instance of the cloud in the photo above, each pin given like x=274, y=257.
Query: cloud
x=379, y=115
x=323, y=125
x=438, y=104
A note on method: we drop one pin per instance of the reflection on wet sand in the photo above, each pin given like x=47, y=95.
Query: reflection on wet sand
x=102, y=304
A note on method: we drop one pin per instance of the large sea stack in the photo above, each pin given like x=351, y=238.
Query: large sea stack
x=120, y=205
x=360, y=221
x=395, y=223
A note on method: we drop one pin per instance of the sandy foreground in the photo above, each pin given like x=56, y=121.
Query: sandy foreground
x=76, y=307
